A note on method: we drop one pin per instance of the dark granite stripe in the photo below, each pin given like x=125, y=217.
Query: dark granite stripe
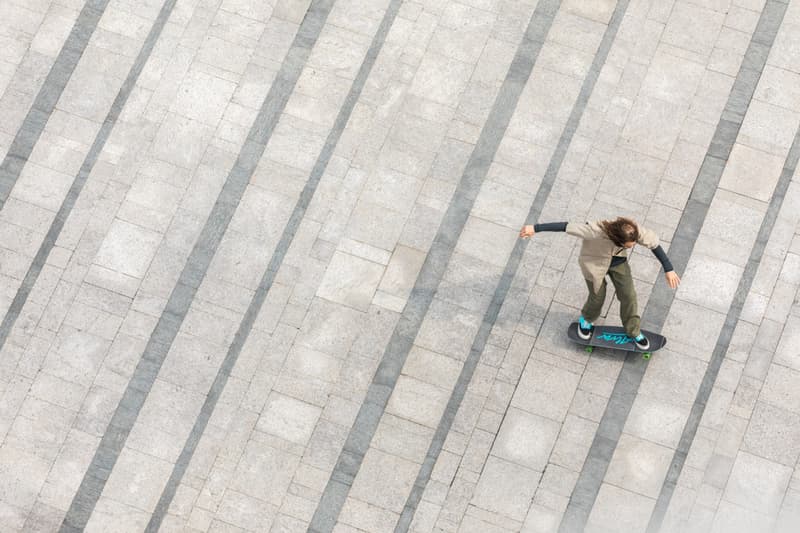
x=194, y=270
x=724, y=339
x=39, y=113
x=274, y=265
x=657, y=309
x=455, y=217
x=78, y=183
x=490, y=317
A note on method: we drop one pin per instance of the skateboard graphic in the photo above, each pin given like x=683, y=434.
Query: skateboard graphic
x=614, y=337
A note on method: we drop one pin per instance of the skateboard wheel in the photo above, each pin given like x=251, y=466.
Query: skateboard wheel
x=646, y=355
x=590, y=349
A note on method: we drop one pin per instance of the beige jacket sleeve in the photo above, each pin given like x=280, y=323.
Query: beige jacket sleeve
x=648, y=238
x=583, y=230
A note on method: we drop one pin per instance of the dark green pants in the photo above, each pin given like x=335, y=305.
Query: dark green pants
x=626, y=294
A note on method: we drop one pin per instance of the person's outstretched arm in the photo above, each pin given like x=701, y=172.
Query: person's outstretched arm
x=531, y=230
x=673, y=280
x=650, y=239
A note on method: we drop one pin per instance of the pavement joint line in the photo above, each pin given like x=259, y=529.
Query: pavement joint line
x=267, y=279
x=724, y=339
x=512, y=265
x=60, y=219
x=57, y=78
x=194, y=270
x=433, y=268
x=626, y=387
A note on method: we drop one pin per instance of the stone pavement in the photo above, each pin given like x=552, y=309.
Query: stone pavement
x=260, y=268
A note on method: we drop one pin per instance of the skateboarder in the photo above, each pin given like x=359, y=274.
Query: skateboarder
x=605, y=252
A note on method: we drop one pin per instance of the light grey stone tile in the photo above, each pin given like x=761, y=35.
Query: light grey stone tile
x=392, y=189
x=657, y=421
x=376, y=225
x=76, y=356
x=240, y=260
x=462, y=32
x=24, y=473
x=402, y=271
x=419, y=134
x=653, y=127
x=632, y=176
x=245, y=512
x=693, y=28
x=619, y=509
x=779, y=87
x=296, y=143
x=487, y=241
x=541, y=520
x=362, y=516
x=264, y=472
x=384, y=480
x=215, y=53
x=709, y=283
x=673, y=377
x=757, y=484
x=505, y=488
x=448, y=329
x=526, y=439
x=262, y=214
x=780, y=388
x=258, y=11
x=203, y=97
x=305, y=361
x=690, y=334
x=63, y=393
x=432, y=368
x=41, y=518
x=743, y=162
x=165, y=420
x=786, y=41
x=639, y=466
x=418, y=401
x=181, y=141
x=402, y=438
x=573, y=442
x=672, y=78
x=468, y=282
x=502, y=205
x=289, y=418
x=90, y=93
x=577, y=31
x=42, y=186
x=136, y=479
x=441, y=79
x=789, y=516
x=350, y=280
x=790, y=336
x=339, y=50
x=774, y=434
x=330, y=328
x=769, y=128
x=40, y=427
x=588, y=405
x=545, y=390
x=111, y=514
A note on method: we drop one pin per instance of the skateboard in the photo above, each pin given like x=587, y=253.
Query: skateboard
x=614, y=337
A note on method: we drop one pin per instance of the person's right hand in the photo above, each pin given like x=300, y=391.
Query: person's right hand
x=526, y=232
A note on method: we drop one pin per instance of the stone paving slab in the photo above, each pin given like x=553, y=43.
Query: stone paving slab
x=331, y=342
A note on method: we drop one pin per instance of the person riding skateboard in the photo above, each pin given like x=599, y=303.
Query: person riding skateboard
x=605, y=252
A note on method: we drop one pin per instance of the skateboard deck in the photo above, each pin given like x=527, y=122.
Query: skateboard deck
x=614, y=337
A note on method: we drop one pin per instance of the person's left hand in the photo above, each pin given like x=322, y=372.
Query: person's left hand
x=672, y=279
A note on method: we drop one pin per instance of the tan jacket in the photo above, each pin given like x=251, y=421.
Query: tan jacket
x=598, y=249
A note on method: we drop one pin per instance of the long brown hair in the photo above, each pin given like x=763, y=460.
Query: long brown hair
x=621, y=230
